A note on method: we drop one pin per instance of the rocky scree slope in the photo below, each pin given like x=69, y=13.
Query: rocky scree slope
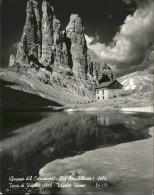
x=138, y=82
x=139, y=85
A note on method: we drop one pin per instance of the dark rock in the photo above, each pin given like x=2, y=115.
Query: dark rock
x=107, y=74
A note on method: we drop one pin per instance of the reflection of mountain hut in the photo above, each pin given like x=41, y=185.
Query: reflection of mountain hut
x=108, y=90
x=102, y=120
x=107, y=121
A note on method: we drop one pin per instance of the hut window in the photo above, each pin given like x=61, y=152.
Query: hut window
x=103, y=92
x=97, y=92
x=98, y=98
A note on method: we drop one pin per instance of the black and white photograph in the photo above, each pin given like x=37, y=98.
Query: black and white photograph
x=76, y=97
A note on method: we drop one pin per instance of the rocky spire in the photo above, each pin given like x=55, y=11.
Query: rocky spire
x=54, y=51
x=47, y=34
x=32, y=29
x=44, y=45
x=30, y=44
x=42, y=41
x=75, y=32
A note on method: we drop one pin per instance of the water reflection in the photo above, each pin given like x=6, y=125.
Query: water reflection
x=106, y=121
x=59, y=135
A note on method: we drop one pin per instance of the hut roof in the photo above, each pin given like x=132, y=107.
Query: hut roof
x=108, y=84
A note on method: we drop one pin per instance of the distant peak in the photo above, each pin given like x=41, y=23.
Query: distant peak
x=75, y=24
x=75, y=17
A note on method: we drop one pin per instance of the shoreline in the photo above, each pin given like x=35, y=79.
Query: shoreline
x=147, y=109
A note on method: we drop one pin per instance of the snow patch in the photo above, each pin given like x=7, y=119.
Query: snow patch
x=131, y=85
x=42, y=95
x=124, y=81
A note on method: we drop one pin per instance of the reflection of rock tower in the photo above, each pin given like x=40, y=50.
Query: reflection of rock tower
x=107, y=74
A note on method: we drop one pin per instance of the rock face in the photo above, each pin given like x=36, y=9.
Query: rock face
x=94, y=65
x=54, y=51
x=47, y=57
x=30, y=44
x=12, y=60
x=63, y=53
x=76, y=38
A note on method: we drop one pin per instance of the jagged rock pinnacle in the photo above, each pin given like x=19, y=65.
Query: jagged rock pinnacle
x=75, y=32
x=54, y=52
x=44, y=45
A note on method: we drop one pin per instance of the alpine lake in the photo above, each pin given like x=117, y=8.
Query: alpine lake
x=77, y=153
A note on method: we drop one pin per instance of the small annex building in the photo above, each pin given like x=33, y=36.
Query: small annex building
x=108, y=90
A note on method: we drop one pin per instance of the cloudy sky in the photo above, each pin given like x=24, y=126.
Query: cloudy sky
x=119, y=31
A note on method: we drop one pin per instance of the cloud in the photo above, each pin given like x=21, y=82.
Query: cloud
x=95, y=46
x=147, y=63
x=131, y=44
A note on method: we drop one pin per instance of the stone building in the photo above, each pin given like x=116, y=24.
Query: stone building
x=108, y=90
